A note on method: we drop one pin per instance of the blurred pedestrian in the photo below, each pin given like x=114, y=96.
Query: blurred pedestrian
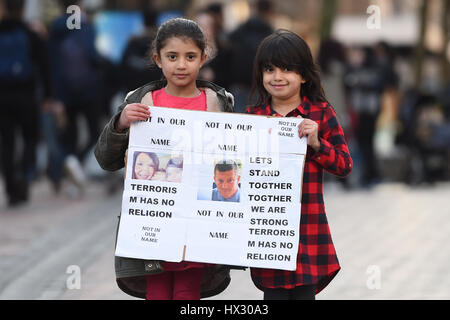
x=385, y=60
x=75, y=67
x=287, y=84
x=245, y=41
x=332, y=63
x=365, y=84
x=135, y=68
x=23, y=72
x=206, y=23
x=217, y=66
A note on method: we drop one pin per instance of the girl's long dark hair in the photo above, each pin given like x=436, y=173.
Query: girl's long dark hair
x=179, y=27
x=286, y=49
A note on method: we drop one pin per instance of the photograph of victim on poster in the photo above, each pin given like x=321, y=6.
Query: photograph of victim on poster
x=226, y=175
x=157, y=166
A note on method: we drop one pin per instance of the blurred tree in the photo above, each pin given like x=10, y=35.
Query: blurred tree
x=329, y=9
x=420, y=47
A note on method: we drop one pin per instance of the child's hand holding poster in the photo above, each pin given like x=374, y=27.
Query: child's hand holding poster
x=213, y=187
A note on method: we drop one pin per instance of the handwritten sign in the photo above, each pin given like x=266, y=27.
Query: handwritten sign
x=213, y=187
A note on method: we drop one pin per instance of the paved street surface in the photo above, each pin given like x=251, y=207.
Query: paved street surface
x=392, y=243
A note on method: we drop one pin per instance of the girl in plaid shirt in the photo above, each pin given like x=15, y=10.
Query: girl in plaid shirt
x=287, y=84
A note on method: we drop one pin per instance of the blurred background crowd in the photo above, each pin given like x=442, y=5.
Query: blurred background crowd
x=64, y=70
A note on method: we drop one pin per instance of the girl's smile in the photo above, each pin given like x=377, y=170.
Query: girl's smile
x=278, y=86
x=283, y=85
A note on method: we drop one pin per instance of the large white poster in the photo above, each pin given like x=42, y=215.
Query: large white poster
x=213, y=187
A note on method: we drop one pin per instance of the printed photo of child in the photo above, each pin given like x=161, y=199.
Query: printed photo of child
x=174, y=169
x=157, y=166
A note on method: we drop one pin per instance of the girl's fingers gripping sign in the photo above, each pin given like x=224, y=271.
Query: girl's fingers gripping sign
x=132, y=112
x=136, y=111
x=310, y=129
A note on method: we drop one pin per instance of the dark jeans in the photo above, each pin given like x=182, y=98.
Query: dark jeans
x=365, y=136
x=17, y=165
x=91, y=112
x=56, y=151
x=297, y=293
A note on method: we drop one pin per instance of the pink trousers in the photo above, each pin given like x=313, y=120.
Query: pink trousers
x=175, y=285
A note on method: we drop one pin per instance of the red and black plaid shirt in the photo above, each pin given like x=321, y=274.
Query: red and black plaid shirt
x=317, y=263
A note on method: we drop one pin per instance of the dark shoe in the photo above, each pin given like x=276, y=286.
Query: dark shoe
x=16, y=201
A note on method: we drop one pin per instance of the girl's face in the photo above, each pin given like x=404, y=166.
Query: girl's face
x=174, y=174
x=144, y=167
x=180, y=61
x=282, y=84
x=159, y=176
